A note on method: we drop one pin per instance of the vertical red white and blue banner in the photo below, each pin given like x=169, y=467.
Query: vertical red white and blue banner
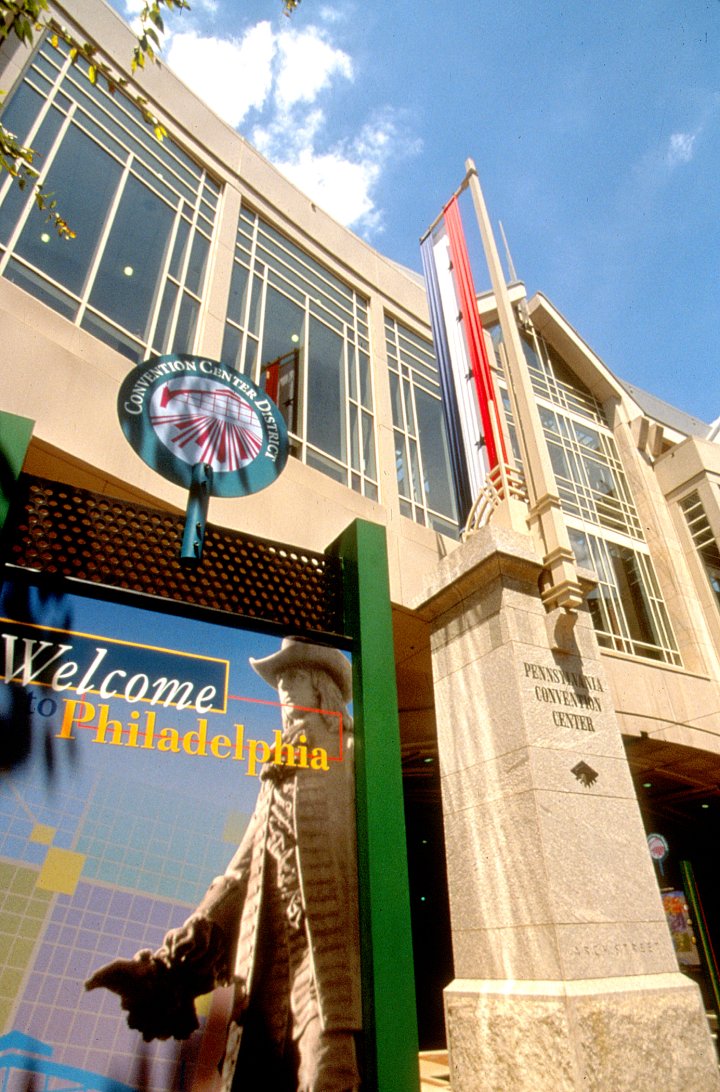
x=474, y=433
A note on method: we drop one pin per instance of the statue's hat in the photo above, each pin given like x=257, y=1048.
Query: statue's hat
x=301, y=654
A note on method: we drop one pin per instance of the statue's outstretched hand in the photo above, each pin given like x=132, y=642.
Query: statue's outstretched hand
x=126, y=977
x=156, y=1003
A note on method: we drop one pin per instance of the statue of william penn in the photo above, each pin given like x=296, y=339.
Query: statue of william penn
x=281, y=924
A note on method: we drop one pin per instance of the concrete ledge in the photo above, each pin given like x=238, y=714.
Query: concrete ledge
x=633, y=1034
x=490, y=553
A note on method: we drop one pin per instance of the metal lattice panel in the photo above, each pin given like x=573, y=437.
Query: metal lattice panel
x=56, y=528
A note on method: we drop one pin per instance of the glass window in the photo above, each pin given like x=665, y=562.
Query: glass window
x=238, y=293
x=135, y=272
x=422, y=454
x=703, y=539
x=25, y=108
x=133, y=259
x=627, y=609
x=184, y=336
x=590, y=477
x=603, y=523
x=303, y=335
x=632, y=594
x=283, y=327
x=326, y=391
x=78, y=161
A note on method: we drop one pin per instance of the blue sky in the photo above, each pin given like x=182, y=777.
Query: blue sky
x=595, y=130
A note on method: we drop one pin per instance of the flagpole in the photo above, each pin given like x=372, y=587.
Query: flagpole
x=563, y=587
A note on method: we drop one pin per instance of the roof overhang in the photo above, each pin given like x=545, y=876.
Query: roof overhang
x=577, y=354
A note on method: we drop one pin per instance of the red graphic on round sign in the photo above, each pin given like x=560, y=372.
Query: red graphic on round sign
x=658, y=847
x=199, y=420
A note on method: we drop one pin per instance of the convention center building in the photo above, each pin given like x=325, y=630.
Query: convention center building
x=607, y=544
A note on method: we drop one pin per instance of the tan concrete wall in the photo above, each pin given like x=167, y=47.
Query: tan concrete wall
x=666, y=703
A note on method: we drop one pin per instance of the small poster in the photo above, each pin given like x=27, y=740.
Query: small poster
x=178, y=877
x=681, y=931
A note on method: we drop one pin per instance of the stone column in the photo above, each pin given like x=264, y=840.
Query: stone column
x=565, y=973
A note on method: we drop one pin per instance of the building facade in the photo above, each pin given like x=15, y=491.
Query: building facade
x=196, y=244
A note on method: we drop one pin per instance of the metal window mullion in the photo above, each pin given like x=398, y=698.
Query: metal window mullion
x=618, y=538
x=242, y=321
x=364, y=476
x=166, y=277
x=373, y=439
x=102, y=242
x=621, y=631
x=657, y=603
x=421, y=464
x=257, y=378
x=406, y=465
x=644, y=590
x=349, y=470
x=182, y=275
x=303, y=384
x=410, y=491
x=353, y=362
x=172, y=327
x=252, y=273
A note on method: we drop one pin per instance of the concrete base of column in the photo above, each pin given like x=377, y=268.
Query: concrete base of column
x=636, y=1034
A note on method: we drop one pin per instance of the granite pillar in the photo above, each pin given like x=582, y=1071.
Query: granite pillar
x=565, y=973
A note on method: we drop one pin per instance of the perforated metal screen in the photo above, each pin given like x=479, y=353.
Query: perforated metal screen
x=55, y=528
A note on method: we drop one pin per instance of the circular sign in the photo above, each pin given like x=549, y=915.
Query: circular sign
x=177, y=411
x=658, y=847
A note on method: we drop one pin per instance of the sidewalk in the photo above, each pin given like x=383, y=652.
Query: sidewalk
x=434, y=1072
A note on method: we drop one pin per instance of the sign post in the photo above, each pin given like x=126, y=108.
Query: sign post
x=196, y=515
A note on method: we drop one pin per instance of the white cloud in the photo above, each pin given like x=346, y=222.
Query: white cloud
x=342, y=177
x=232, y=75
x=338, y=184
x=328, y=14
x=681, y=147
x=277, y=82
x=307, y=65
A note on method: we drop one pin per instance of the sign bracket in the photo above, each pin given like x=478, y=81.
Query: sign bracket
x=196, y=514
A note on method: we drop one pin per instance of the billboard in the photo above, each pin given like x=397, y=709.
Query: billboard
x=178, y=905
